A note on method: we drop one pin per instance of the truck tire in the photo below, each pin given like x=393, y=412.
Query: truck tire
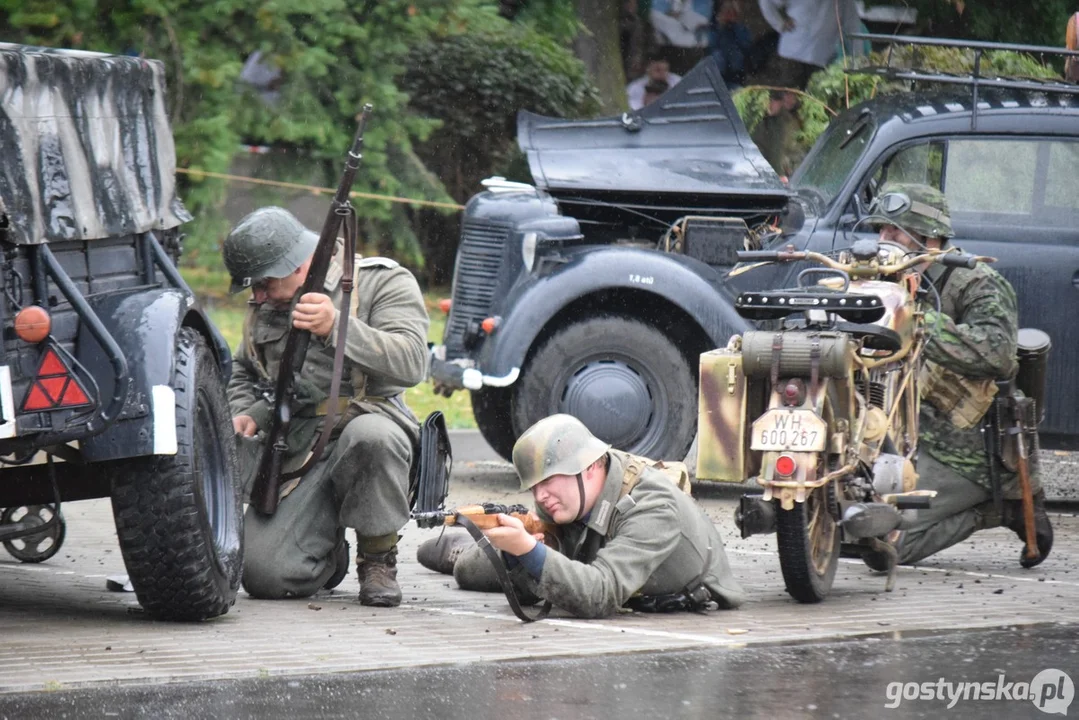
x=179, y=517
x=625, y=380
x=491, y=410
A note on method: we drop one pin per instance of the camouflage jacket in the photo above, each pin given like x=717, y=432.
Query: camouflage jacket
x=975, y=336
x=385, y=352
x=655, y=540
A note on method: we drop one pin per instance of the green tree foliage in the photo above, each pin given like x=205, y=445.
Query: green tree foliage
x=474, y=80
x=1028, y=23
x=832, y=90
x=334, y=55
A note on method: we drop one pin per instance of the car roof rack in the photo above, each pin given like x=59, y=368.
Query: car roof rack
x=974, y=80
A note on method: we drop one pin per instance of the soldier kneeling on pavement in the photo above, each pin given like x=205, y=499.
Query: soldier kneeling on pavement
x=639, y=540
x=972, y=345
x=362, y=479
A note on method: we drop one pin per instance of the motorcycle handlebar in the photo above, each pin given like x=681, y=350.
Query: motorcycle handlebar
x=949, y=258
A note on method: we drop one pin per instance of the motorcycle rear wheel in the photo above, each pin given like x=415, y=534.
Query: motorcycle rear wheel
x=809, y=541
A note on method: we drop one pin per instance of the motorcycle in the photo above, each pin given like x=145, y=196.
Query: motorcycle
x=820, y=407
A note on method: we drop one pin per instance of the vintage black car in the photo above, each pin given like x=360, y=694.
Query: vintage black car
x=594, y=292
x=112, y=378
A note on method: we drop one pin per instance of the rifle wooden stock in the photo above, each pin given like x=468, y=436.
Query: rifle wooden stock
x=484, y=521
x=267, y=486
x=1028, y=497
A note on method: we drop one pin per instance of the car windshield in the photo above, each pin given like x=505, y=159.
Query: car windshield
x=832, y=159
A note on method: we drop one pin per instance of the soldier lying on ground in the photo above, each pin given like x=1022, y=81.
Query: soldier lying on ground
x=639, y=540
x=975, y=340
x=362, y=481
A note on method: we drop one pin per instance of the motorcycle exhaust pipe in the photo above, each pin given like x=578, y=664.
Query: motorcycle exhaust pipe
x=755, y=516
x=865, y=520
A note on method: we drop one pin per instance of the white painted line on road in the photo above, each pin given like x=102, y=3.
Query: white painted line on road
x=581, y=625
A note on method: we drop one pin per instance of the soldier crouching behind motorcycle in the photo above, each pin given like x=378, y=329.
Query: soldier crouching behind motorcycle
x=362, y=480
x=972, y=344
x=630, y=535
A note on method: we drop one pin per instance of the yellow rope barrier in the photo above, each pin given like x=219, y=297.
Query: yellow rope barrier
x=316, y=189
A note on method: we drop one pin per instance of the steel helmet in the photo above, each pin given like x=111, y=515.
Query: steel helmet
x=556, y=445
x=270, y=242
x=914, y=207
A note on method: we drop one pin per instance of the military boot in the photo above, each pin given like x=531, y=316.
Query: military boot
x=1043, y=530
x=440, y=554
x=378, y=578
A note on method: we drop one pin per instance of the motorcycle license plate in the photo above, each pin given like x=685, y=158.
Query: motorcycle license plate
x=781, y=430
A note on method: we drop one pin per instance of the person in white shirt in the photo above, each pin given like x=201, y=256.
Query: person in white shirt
x=658, y=71
x=808, y=33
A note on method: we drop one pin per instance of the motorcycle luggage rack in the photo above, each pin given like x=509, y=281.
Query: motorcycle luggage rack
x=772, y=305
x=975, y=80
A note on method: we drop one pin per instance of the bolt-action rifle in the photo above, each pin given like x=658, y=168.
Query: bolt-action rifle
x=267, y=486
x=485, y=517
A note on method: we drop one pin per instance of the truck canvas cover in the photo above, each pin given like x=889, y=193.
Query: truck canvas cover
x=689, y=142
x=85, y=146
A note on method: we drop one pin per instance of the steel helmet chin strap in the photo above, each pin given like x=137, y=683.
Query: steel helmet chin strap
x=580, y=492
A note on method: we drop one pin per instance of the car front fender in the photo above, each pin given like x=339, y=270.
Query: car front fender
x=643, y=275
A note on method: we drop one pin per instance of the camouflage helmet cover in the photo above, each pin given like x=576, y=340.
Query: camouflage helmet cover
x=270, y=242
x=556, y=445
x=915, y=207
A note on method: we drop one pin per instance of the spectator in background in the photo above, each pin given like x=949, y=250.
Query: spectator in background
x=653, y=90
x=680, y=22
x=809, y=31
x=1071, y=42
x=658, y=70
x=731, y=44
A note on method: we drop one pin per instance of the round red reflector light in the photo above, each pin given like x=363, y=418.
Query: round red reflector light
x=785, y=465
x=445, y=304
x=32, y=324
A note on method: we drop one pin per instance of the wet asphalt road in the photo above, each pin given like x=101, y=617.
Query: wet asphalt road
x=855, y=679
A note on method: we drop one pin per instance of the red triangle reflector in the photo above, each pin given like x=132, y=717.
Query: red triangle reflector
x=51, y=365
x=36, y=399
x=74, y=395
x=53, y=386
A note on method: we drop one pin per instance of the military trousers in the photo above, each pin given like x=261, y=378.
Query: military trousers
x=362, y=484
x=960, y=508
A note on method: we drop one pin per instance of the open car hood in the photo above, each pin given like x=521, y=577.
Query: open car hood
x=689, y=142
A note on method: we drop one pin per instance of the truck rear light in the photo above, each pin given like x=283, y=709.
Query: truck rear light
x=445, y=304
x=794, y=392
x=54, y=387
x=32, y=324
x=490, y=324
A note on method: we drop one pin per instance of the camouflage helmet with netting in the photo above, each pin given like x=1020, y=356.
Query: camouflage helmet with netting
x=915, y=207
x=270, y=242
x=556, y=445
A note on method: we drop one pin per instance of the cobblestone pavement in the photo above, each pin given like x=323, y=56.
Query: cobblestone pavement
x=61, y=628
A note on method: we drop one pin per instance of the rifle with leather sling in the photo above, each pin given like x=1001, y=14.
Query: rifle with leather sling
x=267, y=485
x=485, y=517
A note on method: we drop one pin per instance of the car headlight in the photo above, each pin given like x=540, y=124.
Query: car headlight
x=528, y=250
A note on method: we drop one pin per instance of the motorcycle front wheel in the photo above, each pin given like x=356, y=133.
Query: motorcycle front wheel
x=809, y=540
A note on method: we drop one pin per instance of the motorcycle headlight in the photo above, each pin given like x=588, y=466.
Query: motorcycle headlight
x=528, y=250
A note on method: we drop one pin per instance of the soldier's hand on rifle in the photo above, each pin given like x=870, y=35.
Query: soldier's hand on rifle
x=510, y=536
x=314, y=312
x=245, y=425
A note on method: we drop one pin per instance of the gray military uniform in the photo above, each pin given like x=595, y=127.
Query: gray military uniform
x=362, y=481
x=656, y=540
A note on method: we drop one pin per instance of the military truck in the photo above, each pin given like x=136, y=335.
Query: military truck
x=593, y=291
x=112, y=377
